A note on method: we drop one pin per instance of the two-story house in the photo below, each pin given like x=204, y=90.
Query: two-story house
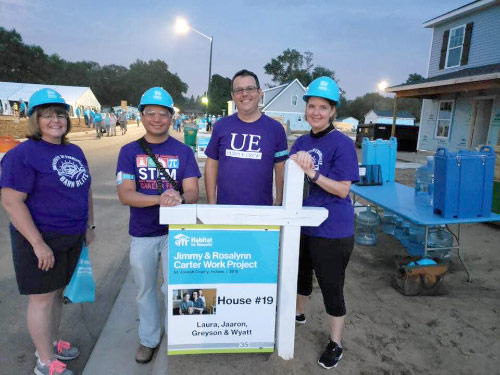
x=461, y=95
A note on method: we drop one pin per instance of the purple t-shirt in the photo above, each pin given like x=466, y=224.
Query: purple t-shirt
x=56, y=180
x=334, y=157
x=133, y=164
x=246, y=153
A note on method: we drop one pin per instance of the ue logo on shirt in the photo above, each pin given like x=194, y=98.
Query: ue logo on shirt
x=70, y=170
x=245, y=146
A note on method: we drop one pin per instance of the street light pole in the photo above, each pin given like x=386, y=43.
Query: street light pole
x=209, y=75
x=182, y=26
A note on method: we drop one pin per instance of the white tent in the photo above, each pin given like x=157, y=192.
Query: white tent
x=73, y=95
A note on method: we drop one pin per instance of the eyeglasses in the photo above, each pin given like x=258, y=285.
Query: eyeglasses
x=241, y=90
x=161, y=114
x=59, y=116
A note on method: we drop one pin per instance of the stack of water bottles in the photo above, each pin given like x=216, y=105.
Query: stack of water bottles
x=412, y=236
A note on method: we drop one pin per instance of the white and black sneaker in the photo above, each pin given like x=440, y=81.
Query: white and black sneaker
x=331, y=356
x=300, y=319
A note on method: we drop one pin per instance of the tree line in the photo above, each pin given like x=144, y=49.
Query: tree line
x=20, y=62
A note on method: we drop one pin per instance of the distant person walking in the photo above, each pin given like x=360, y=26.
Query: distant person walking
x=91, y=118
x=46, y=192
x=22, y=108
x=77, y=112
x=138, y=119
x=112, y=123
x=15, y=108
x=122, y=118
x=107, y=124
x=86, y=115
x=99, y=126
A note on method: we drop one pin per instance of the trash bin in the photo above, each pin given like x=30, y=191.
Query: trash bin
x=7, y=143
x=190, y=137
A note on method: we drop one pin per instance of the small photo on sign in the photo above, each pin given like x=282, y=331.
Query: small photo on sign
x=194, y=301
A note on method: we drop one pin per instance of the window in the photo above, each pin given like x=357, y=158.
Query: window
x=455, y=46
x=295, y=98
x=444, y=119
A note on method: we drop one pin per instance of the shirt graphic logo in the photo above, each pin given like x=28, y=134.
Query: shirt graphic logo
x=181, y=240
x=245, y=146
x=317, y=156
x=70, y=170
x=141, y=161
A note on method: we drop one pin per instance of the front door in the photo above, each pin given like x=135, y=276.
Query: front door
x=480, y=122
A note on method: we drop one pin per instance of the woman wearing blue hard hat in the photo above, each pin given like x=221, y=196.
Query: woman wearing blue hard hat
x=46, y=192
x=330, y=164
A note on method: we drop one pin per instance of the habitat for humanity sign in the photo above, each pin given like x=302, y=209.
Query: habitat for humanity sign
x=222, y=288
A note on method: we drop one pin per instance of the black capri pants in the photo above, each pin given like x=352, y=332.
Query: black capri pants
x=31, y=279
x=328, y=258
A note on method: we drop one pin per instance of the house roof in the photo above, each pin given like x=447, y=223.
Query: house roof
x=461, y=11
x=488, y=74
x=390, y=113
x=286, y=86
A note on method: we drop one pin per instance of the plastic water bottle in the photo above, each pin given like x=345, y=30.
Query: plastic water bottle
x=366, y=232
x=389, y=223
x=405, y=238
x=398, y=230
x=439, y=243
x=430, y=171
x=422, y=182
x=417, y=239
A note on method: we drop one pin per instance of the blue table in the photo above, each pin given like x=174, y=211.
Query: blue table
x=399, y=199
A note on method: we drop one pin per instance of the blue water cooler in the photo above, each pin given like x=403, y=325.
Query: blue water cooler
x=463, y=183
x=381, y=152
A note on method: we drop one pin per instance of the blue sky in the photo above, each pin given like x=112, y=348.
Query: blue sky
x=363, y=41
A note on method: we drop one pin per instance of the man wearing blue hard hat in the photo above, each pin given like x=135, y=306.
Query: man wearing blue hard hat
x=157, y=170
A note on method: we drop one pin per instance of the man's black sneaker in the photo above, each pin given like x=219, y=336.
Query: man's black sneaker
x=331, y=356
x=300, y=319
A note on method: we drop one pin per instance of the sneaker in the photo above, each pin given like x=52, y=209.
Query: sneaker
x=144, y=354
x=63, y=351
x=300, y=319
x=54, y=367
x=331, y=356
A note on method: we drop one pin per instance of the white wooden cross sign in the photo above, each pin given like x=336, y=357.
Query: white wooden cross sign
x=290, y=216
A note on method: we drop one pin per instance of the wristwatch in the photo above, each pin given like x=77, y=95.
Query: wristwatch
x=316, y=176
x=92, y=226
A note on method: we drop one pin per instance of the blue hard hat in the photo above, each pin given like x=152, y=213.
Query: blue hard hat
x=45, y=96
x=157, y=96
x=324, y=87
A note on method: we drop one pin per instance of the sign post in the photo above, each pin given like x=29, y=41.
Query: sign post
x=290, y=216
